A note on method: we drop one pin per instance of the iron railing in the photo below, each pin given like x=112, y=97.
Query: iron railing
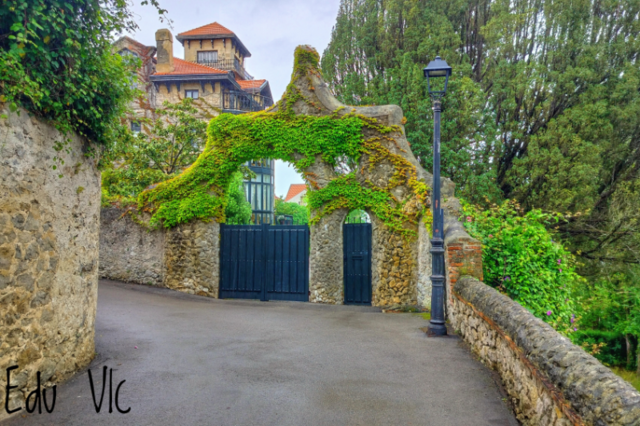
x=234, y=100
x=228, y=65
x=274, y=220
x=357, y=216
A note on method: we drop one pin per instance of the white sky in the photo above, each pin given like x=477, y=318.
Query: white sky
x=270, y=29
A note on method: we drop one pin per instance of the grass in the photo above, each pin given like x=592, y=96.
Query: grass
x=629, y=376
x=424, y=315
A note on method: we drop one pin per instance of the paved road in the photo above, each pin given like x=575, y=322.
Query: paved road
x=221, y=362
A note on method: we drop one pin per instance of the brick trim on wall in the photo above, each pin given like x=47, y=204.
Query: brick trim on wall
x=463, y=254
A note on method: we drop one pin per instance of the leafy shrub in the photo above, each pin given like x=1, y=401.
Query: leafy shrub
x=56, y=60
x=238, y=210
x=521, y=259
x=611, y=345
x=170, y=143
x=300, y=213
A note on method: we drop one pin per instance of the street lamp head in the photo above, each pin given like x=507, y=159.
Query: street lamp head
x=437, y=69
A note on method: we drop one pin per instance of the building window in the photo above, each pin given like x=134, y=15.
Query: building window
x=193, y=94
x=135, y=127
x=259, y=190
x=127, y=52
x=208, y=57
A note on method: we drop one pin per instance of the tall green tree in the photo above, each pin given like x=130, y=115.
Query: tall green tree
x=543, y=106
x=167, y=145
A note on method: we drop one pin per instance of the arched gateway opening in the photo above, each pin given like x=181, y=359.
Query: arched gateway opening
x=309, y=128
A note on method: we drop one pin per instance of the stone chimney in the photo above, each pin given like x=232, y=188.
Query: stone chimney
x=164, y=41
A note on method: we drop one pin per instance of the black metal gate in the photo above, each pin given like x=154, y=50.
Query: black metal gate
x=357, y=263
x=264, y=262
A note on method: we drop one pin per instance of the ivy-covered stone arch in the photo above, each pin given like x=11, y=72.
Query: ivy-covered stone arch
x=350, y=157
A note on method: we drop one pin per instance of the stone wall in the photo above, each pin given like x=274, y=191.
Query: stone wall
x=128, y=251
x=48, y=255
x=394, y=263
x=185, y=258
x=550, y=380
x=424, y=267
x=326, y=282
x=192, y=258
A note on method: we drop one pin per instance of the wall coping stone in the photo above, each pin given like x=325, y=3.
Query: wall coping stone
x=593, y=390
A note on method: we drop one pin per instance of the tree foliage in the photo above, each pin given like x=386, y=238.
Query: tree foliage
x=167, y=144
x=521, y=259
x=612, y=304
x=300, y=213
x=543, y=105
x=56, y=61
x=238, y=210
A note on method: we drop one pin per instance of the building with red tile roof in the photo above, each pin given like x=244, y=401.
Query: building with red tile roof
x=295, y=193
x=213, y=72
x=211, y=32
x=210, y=29
x=190, y=68
x=213, y=59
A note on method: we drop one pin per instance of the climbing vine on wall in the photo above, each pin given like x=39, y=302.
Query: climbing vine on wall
x=280, y=133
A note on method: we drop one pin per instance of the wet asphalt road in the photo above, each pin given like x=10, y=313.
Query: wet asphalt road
x=201, y=361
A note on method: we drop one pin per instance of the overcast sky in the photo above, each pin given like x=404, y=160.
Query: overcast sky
x=270, y=29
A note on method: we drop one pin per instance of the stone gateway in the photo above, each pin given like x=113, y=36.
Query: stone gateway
x=391, y=187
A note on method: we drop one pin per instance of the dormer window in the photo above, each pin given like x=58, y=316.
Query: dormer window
x=207, y=56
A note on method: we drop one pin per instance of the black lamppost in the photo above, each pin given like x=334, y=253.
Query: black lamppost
x=434, y=72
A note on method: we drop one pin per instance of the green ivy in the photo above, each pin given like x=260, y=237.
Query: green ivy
x=236, y=139
x=521, y=259
x=199, y=191
x=346, y=192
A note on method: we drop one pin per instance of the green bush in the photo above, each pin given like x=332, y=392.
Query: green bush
x=608, y=347
x=521, y=259
x=56, y=60
x=238, y=210
x=300, y=213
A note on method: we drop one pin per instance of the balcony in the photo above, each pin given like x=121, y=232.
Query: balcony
x=237, y=102
x=228, y=65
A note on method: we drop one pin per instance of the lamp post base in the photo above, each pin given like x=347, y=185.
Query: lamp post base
x=436, y=330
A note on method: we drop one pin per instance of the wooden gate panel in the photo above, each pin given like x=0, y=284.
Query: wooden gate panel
x=264, y=262
x=240, y=261
x=288, y=258
x=357, y=263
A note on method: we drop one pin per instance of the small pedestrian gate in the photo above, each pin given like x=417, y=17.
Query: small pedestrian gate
x=266, y=262
x=357, y=263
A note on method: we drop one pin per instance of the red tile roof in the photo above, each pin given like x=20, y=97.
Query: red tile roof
x=205, y=30
x=251, y=84
x=294, y=190
x=187, y=68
